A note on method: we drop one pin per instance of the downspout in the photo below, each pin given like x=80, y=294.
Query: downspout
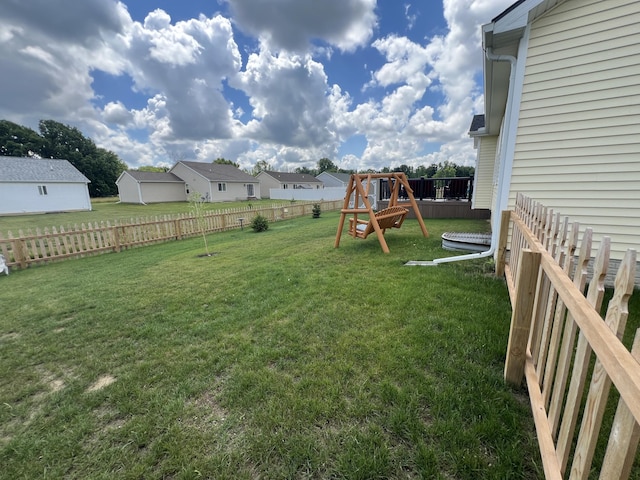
x=140, y=194
x=495, y=223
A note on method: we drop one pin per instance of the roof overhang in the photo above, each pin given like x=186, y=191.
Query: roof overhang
x=502, y=36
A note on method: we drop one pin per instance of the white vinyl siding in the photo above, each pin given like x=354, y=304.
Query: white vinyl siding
x=483, y=181
x=578, y=141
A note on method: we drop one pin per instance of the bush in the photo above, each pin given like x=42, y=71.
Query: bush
x=259, y=223
x=316, y=210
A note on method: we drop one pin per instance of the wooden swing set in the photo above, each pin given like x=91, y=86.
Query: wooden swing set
x=391, y=217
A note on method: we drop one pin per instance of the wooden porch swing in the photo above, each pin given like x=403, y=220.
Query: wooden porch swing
x=391, y=217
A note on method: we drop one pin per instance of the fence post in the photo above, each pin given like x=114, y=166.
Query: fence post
x=526, y=281
x=116, y=237
x=19, y=255
x=502, y=242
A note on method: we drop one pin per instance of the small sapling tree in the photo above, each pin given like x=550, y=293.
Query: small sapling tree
x=196, y=206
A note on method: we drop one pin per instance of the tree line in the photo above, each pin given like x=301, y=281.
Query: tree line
x=56, y=140
x=440, y=170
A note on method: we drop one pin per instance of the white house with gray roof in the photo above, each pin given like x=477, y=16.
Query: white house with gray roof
x=213, y=182
x=38, y=185
x=217, y=182
x=287, y=181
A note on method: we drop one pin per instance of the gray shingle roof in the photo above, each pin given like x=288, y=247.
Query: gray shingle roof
x=154, y=177
x=293, y=177
x=477, y=123
x=23, y=169
x=343, y=177
x=217, y=172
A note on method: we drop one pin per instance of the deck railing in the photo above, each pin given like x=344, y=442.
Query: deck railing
x=555, y=332
x=451, y=188
x=56, y=243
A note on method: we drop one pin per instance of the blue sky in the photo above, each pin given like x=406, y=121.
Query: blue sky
x=367, y=84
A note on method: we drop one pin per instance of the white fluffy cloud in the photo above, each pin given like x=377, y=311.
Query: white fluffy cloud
x=270, y=98
x=292, y=24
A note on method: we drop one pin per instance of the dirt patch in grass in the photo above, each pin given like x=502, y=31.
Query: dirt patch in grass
x=7, y=337
x=209, y=413
x=102, y=382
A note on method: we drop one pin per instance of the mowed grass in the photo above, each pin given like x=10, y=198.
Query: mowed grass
x=109, y=209
x=278, y=357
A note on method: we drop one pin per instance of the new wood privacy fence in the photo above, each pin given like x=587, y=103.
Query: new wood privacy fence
x=53, y=243
x=560, y=344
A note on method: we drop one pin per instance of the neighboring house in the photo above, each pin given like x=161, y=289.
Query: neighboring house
x=269, y=180
x=562, y=114
x=35, y=185
x=217, y=182
x=150, y=187
x=334, y=179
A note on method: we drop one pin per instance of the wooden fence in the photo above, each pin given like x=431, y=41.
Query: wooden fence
x=56, y=243
x=558, y=339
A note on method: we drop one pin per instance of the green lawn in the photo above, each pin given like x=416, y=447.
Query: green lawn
x=104, y=209
x=278, y=357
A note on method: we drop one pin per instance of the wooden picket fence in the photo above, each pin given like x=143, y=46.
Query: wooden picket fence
x=558, y=338
x=57, y=243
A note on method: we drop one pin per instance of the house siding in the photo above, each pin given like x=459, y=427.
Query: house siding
x=483, y=180
x=578, y=139
x=267, y=182
x=20, y=198
x=128, y=189
x=194, y=181
x=163, y=192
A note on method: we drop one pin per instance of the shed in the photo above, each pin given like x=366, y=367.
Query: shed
x=150, y=187
x=36, y=185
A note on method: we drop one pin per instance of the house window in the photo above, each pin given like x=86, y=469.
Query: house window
x=285, y=186
x=250, y=192
x=42, y=189
x=222, y=187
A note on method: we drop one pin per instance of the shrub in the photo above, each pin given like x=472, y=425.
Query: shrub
x=316, y=210
x=259, y=223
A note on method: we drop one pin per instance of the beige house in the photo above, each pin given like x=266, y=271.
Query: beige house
x=150, y=187
x=217, y=182
x=562, y=114
x=283, y=180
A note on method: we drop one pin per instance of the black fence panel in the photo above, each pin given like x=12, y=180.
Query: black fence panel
x=452, y=188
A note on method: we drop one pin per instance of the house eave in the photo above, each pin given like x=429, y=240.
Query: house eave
x=502, y=37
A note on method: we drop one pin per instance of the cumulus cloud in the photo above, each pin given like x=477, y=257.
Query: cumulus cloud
x=288, y=94
x=292, y=24
x=201, y=95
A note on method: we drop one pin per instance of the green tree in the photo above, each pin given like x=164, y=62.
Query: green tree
x=408, y=171
x=19, y=141
x=261, y=166
x=445, y=170
x=102, y=167
x=462, y=171
x=150, y=168
x=326, y=165
x=306, y=170
x=224, y=161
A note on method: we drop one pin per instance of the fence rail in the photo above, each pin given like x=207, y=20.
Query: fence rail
x=58, y=243
x=449, y=188
x=555, y=332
